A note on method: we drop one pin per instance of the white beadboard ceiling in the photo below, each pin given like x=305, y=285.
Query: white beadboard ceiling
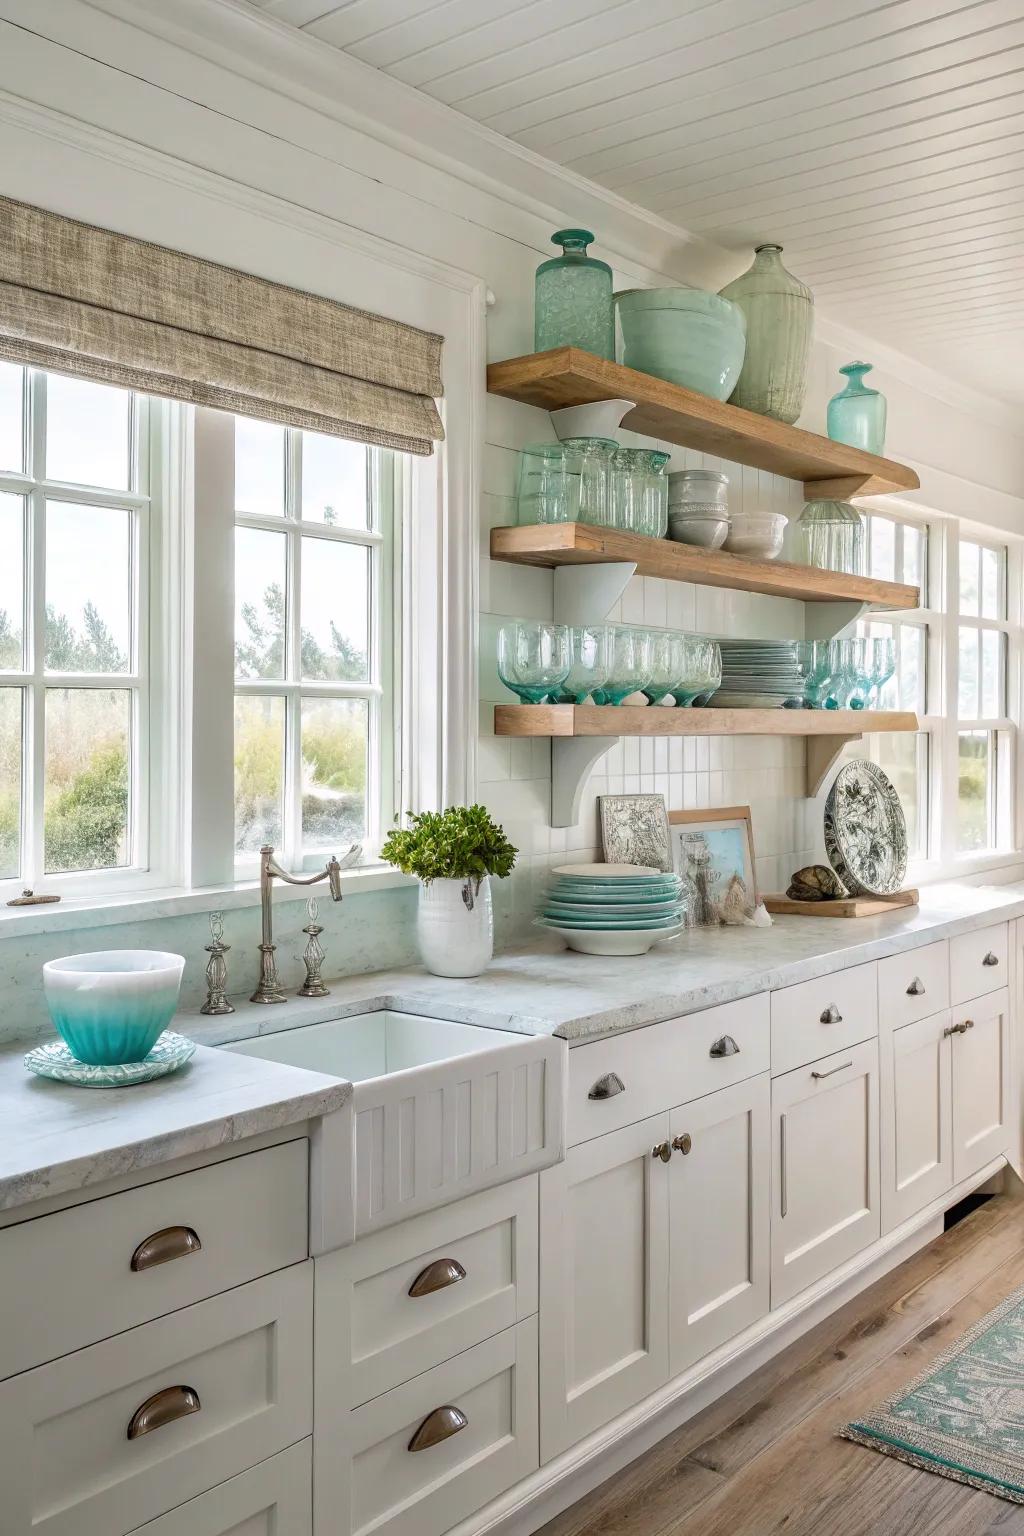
x=881, y=143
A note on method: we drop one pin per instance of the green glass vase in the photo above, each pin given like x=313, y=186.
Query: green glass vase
x=856, y=416
x=573, y=299
x=780, y=318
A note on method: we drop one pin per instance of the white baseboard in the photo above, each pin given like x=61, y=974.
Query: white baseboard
x=566, y=1478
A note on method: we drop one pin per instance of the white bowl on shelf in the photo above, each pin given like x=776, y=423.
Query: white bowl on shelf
x=610, y=941
x=707, y=532
x=756, y=534
x=601, y=419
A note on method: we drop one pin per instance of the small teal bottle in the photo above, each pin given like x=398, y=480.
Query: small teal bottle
x=573, y=299
x=856, y=416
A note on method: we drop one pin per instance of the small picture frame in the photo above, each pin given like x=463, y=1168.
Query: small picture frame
x=634, y=830
x=713, y=852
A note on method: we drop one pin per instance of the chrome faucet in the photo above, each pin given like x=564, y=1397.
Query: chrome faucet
x=269, y=989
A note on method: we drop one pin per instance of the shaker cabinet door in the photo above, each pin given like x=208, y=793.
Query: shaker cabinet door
x=825, y=1202
x=981, y=1083
x=603, y=1280
x=718, y=1219
x=917, y=1119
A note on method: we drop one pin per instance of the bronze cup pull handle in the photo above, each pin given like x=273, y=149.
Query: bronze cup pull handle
x=438, y=1425
x=990, y=959
x=726, y=1046
x=437, y=1276
x=916, y=988
x=607, y=1087
x=163, y=1246
x=162, y=1408
x=831, y=1015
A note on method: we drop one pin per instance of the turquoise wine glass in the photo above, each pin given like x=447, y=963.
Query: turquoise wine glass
x=533, y=658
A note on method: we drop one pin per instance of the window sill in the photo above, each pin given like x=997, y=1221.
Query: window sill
x=107, y=909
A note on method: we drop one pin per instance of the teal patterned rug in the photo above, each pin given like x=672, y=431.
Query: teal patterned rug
x=964, y=1417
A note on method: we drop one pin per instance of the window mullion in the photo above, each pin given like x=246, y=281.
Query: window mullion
x=293, y=658
x=34, y=862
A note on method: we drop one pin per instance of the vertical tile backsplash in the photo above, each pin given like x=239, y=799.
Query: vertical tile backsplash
x=766, y=773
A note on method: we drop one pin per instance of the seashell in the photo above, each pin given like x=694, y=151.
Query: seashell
x=815, y=882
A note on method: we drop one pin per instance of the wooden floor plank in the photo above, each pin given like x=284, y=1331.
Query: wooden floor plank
x=765, y=1460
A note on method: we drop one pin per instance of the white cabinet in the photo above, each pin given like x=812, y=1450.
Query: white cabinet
x=978, y=963
x=917, y=1123
x=980, y=1050
x=825, y=1167
x=718, y=1218
x=604, y=1237
x=274, y=1498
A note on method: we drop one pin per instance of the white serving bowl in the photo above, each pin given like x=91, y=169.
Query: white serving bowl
x=601, y=419
x=708, y=532
x=758, y=534
x=629, y=941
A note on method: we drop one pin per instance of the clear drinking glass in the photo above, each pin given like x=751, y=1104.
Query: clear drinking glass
x=668, y=664
x=533, y=658
x=627, y=503
x=882, y=662
x=831, y=537
x=591, y=649
x=592, y=459
x=631, y=665
x=701, y=676
x=711, y=668
x=548, y=489
x=654, y=506
x=848, y=661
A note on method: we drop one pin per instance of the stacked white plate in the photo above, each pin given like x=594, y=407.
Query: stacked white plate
x=613, y=909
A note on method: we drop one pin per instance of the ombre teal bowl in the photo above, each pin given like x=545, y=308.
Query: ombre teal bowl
x=112, y=1006
x=684, y=335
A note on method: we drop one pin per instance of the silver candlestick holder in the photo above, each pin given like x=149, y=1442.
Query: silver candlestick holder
x=313, y=955
x=216, y=969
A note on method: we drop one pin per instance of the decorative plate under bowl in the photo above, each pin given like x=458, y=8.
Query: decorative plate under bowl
x=55, y=1060
x=866, y=831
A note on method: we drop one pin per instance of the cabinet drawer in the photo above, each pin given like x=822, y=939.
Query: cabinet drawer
x=371, y=1478
x=818, y=1017
x=914, y=985
x=227, y=1224
x=273, y=1499
x=235, y=1375
x=665, y=1064
x=977, y=963
x=401, y=1301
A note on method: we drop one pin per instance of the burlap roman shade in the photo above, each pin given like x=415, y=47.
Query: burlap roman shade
x=85, y=301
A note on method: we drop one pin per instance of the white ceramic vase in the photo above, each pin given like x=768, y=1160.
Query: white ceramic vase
x=455, y=926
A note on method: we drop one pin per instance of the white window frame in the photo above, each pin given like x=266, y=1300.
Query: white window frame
x=152, y=725
x=940, y=721
x=387, y=475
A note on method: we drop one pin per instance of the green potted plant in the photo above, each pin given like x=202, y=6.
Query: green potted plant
x=453, y=854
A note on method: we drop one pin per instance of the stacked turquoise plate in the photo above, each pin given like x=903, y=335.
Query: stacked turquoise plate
x=613, y=909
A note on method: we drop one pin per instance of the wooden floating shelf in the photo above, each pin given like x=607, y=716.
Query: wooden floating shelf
x=567, y=376
x=568, y=544
x=662, y=720
x=581, y=733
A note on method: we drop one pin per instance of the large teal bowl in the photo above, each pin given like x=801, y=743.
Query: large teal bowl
x=112, y=1006
x=684, y=335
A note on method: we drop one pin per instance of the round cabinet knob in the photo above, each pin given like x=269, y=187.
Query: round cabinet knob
x=683, y=1143
x=662, y=1150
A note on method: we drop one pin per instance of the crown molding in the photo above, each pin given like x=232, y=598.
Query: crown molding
x=526, y=195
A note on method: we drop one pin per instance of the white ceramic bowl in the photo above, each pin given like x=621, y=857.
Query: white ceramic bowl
x=708, y=532
x=604, y=941
x=758, y=534
x=111, y=1006
x=602, y=419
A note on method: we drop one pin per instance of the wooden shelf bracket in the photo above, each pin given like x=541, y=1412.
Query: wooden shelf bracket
x=573, y=759
x=822, y=755
x=830, y=621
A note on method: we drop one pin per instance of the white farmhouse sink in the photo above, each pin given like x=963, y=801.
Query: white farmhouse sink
x=439, y=1109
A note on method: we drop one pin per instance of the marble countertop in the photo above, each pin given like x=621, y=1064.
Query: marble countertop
x=55, y=1139
x=542, y=988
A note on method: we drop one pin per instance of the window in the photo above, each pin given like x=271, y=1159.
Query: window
x=983, y=730
x=955, y=663
x=314, y=575
x=898, y=551
x=75, y=517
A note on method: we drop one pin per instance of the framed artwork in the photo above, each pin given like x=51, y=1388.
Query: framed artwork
x=713, y=852
x=634, y=830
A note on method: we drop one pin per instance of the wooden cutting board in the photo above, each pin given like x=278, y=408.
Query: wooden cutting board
x=845, y=906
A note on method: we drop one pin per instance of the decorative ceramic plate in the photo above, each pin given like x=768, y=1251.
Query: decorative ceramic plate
x=55, y=1060
x=609, y=871
x=866, y=831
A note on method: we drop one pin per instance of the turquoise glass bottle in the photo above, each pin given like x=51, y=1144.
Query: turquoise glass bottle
x=856, y=416
x=573, y=299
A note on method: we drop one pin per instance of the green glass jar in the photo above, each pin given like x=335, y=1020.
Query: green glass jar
x=573, y=299
x=856, y=416
x=780, y=316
